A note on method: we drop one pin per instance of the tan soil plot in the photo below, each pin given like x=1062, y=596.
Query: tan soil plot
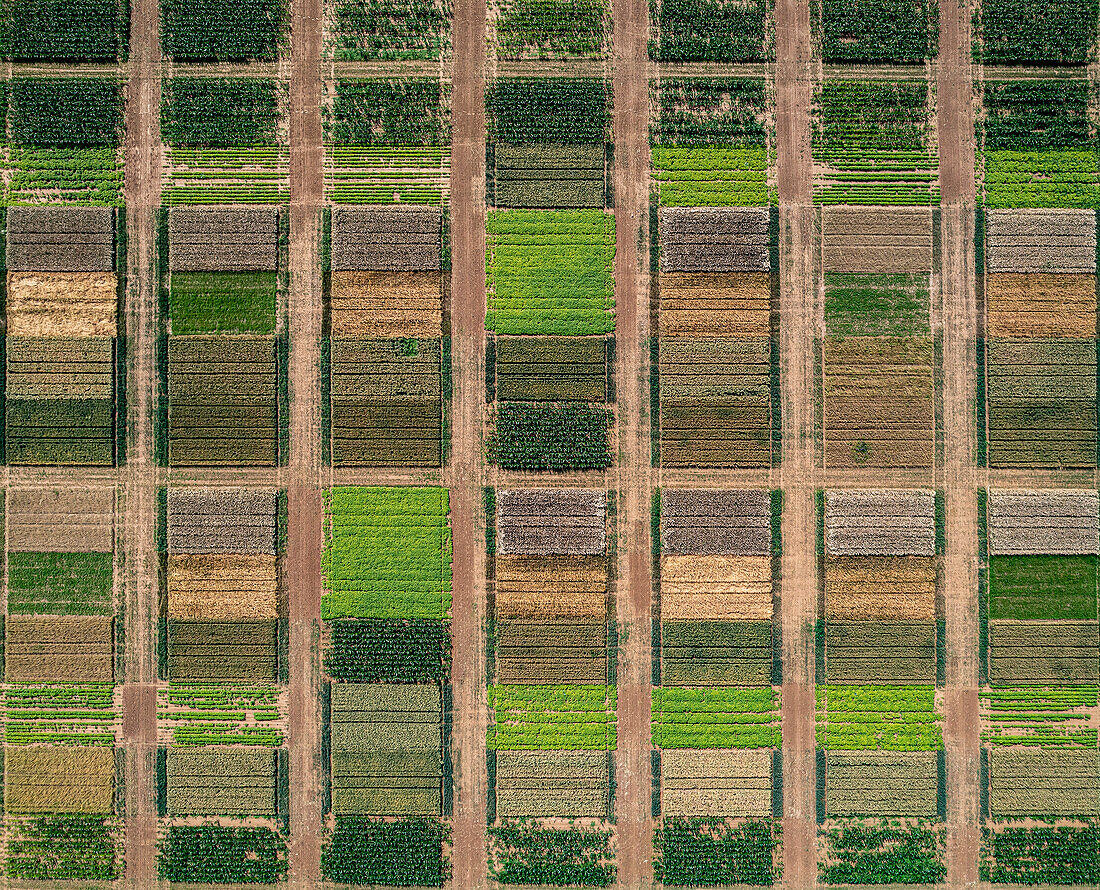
x=1040, y=305
x=881, y=783
x=62, y=304
x=877, y=239
x=1040, y=241
x=716, y=783
x=546, y=784
x=716, y=588
x=714, y=304
x=225, y=587
x=61, y=520
x=387, y=304
x=863, y=588
x=1033, y=783
x=221, y=781
x=40, y=779
x=879, y=402
x=59, y=648
x=539, y=587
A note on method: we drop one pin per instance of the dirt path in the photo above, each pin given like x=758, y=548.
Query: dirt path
x=630, y=123
x=142, y=195
x=955, y=124
x=799, y=473
x=303, y=558
x=466, y=473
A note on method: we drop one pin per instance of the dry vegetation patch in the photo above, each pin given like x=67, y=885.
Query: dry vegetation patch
x=877, y=239
x=880, y=588
x=552, y=784
x=1040, y=241
x=62, y=304
x=61, y=239
x=553, y=521
x=240, y=587
x=41, y=779
x=57, y=520
x=707, y=239
x=226, y=239
x=1040, y=305
x=716, y=783
x=379, y=305
x=716, y=587
x=544, y=588
x=370, y=239
x=715, y=304
x=59, y=648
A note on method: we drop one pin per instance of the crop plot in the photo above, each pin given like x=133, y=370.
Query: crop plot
x=198, y=714
x=387, y=574
x=708, y=31
x=86, y=31
x=715, y=350
x=223, y=30
x=221, y=782
x=387, y=756
x=874, y=143
x=706, y=852
x=61, y=347
x=386, y=395
x=222, y=600
x=224, y=141
x=870, y=850
x=715, y=713
x=1041, y=352
x=711, y=142
x=1035, y=32
x=1035, y=145
x=549, y=140
x=59, y=780
x=392, y=30
x=387, y=141
x=224, y=286
x=1044, y=783
x=550, y=29
x=552, y=696
x=222, y=854
x=877, y=31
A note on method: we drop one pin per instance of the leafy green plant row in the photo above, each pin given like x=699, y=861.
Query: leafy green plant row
x=696, y=852
x=552, y=717
x=524, y=852
x=1046, y=716
x=871, y=718
x=724, y=717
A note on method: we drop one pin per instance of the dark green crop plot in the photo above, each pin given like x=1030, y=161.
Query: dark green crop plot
x=381, y=650
x=1036, y=114
x=1036, y=32
x=707, y=30
x=522, y=853
x=388, y=112
x=69, y=112
x=214, y=854
x=711, y=852
x=223, y=30
x=878, y=31
x=551, y=110
x=1051, y=588
x=63, y=848
x=69, y=31
x=206, y=112
x=570, y=436
x=402, y=853
x=60, y=583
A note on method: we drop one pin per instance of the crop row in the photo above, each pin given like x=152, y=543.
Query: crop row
x=870, y=718
x=1050, y=717
x=730, y=717
x=552, y=717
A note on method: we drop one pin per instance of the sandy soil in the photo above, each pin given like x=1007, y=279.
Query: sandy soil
x=799, y=474
x=635, y=478
x=303, y=558
x=955, y=126
x=142, y=194
x=466, y=473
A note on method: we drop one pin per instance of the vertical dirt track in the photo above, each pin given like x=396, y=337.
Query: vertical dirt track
x=955, y=124
x=466, y=472
x=304, y=509
x=142, y=195
x=799, y=470
x=630, y=124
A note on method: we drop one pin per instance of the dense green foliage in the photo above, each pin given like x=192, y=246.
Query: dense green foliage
x=404, y=853
x=724, y=717
x=387, y=553
x=1044, y=854
x=551, y=110
x=223, y=30
x=222, y=303
x=711, y=852
x=877, y=305
x=550, y=272
x=90, y=176
x=1036, y=32
x=870, y=718
x=208, y=112
x=60, y=583
x=873, y=854
x=707, y=30
x=561, y=717
x=63, y=848
x=368, y=30
x=388, y=112
x=215, y=854
x=1049, y=178
x=712, y=111
x=551, y=28
x=389, y=651
x=68, y=31
x=547, y=436
x=524, y=853
x=872, y=114
x=1035, y=114
x=904, y=32
x=65, y=111
x=1044, y=588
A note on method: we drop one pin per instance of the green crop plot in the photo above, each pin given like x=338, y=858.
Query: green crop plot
x=552, y=718
x=222, y=302
x=726, y=717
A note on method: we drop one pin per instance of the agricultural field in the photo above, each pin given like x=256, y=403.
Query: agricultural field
x=80, y=31
x=225, y=141
x=224, y=30
x=388, y=359
x=552, y=698
x=708, y=31
x=387, y=570
x=874, y=143
x=550, y=29
x=876, y=31
x=388, y=141
x=389, y=30
x=224, y=349
x=879, y=353
x=711, y=143
x=715, y=371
